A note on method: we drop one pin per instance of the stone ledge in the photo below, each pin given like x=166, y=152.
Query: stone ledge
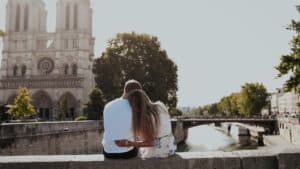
x=23, y=130
x=208, y=160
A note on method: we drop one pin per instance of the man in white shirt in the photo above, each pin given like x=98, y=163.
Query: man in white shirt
x=117, y=116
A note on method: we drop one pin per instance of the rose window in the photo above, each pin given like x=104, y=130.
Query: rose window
x=46, y=65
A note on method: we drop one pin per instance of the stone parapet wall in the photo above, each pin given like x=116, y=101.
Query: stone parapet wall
x=17, y=130
x=51, y=138
x=44, y=138
x=287, y=159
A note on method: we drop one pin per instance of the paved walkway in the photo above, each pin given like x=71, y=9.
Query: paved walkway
x=276, y=140
x=278, y=143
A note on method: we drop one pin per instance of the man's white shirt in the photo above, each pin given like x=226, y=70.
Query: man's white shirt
x=117, y=116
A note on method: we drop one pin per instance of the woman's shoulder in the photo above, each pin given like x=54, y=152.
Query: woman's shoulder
x=162, y=107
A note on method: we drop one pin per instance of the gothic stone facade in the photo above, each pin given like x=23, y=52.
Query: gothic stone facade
x=54, y=66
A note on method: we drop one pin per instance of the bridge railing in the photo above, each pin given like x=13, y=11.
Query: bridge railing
x=223, y=117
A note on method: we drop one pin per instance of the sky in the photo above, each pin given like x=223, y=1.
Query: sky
x=218, y=45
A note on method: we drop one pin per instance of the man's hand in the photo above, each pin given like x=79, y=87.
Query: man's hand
x=124, y=143
x=128, y=143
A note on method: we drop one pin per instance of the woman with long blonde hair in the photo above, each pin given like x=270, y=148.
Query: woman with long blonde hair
x=151, y=127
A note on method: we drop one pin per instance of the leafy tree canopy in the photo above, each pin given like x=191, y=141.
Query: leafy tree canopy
x=140, y=57
x=290, y=63
x=230, y=104
x=22, y=105
x=93, y=109
x=63, y=106
x=175, y=112
x=253, y=98
x=2, y=33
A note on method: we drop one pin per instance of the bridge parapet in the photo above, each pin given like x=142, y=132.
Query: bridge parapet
x=269, y=124
x=258, y=159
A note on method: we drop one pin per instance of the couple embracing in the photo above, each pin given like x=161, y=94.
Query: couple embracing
x=135, y=126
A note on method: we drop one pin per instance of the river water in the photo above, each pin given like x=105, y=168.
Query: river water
x=211, y=138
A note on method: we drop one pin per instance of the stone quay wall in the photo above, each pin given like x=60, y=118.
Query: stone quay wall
x=256, y=159
x=289, y=128
x=58, y=138
x=48, y=138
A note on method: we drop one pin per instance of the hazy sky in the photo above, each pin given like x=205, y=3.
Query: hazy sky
x=218, y=45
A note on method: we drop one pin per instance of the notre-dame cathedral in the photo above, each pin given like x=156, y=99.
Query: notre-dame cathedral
x=53, y=65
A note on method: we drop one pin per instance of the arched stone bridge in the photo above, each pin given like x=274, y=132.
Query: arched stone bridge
x=269, y=124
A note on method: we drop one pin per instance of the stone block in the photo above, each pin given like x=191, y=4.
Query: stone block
x=174, y=162
x=106, y=164
x=214, y=163
x=260, y=162
x=289, y=161
x=41, y=165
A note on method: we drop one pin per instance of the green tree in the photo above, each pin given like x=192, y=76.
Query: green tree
x=22, y=105
x=235, y=103
x=290, y=63
x=2, y=33
x=211, y=109
x=139, y=57
x=230, y=104
x=93, y=109
x=175, y=112
x=225, y=105
x=195, y=111
x=63, y=106
x=253, y=97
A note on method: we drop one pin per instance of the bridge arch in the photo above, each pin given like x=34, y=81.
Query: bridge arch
x=270, y=125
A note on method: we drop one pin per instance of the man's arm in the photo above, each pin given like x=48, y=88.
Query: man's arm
x=128, y=143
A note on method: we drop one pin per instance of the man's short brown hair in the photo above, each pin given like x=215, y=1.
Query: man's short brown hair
x=131, y=85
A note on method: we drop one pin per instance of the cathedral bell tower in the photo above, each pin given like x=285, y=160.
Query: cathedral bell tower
x=25, y=16
x=74, y=16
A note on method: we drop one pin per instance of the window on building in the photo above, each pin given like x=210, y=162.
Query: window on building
x=41, y=44
x=38, y=44
x=66, y=69
x=15, y=44
x=74, y=69
x=68, y=17
x=24, y=43
x=75, y=26
x=15, y=73
x=66, y=45
x=24, y=68
x=75, y=43
x=26, y=17
x=17, y=28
